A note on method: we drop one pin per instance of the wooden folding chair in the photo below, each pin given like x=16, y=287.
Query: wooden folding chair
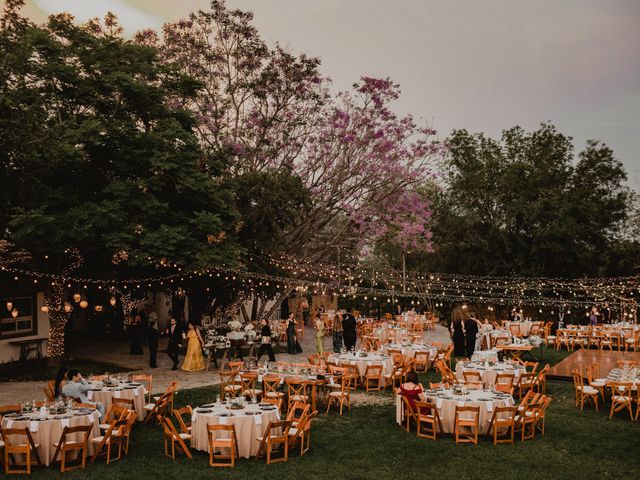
x=296, y=391
x=69, y=443
x=427, y=420
x=502, y=425
x=526, y=382
x=124, y=402
x=472, y=379
x=248, y=382
x=373, y=378
x=172, y=436
x=228, y=442
x=275, y=435
x=229, y=383
x=297, y=411
x=504, y=382
x=621, y=398
x=409, y=413
x=146, y=381
x=185, y=427
x=584, y=391
x=422, y=361
x=525, y=420
x=301, y=431
x=113, y=437
x=12, y=446
x=466, y=429
x=157, y=408
x=343, y=395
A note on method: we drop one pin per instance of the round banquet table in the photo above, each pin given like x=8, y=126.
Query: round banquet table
x=385, y=334
x=45, y=432
x=446, y=401
x=485, y=356
x=489, y=372
x=361, y=362
x=130, y=391
x=411, y=350
x=250, y=423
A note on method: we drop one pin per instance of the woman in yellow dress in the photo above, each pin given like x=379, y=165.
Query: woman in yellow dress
x=193, y=361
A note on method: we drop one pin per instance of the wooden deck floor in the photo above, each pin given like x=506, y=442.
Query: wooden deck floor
x=584, y=357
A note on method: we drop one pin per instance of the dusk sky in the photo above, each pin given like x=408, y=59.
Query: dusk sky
x=484, y=65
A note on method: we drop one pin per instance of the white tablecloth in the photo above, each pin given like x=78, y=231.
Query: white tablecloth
x=490, y=372
x=47, y=432
x=106, y=396
x=248, y=427
x=411, y=350
x=361, y=362
x=446, y=402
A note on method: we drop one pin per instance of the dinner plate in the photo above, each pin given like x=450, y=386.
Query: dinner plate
x=206, y=410
x=272, y=407
x=225, y=414
x=207, y=405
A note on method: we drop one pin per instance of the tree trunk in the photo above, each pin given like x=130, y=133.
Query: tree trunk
x=58, y=319
x=274, y=308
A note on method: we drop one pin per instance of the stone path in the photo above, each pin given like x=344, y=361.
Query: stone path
x=118, y=353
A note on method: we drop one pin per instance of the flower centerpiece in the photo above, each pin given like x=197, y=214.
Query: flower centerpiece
x=249, y=332
x=235, y=325
x=535, y=340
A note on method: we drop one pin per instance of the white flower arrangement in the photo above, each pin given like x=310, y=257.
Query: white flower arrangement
x=235, y=325
x=248, y=327
x=535, y=340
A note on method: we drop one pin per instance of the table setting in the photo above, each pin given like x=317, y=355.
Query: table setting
x=446, y=400
x=362, y=359
x=410, y=349
x=110, y=387
x=47, y=423
x=250, y=420
x=489, y=370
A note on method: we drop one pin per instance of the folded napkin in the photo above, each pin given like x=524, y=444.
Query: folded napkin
x=439, y=402
x=9, y=423
x=90, y=394
x=64, y=422
x=194, y=416
x=490, y=406
x=223, y=420
x=278, y=415
x=258, y=419
x=33, y=426
x=117, y=393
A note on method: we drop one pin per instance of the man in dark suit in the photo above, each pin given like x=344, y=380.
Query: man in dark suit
x=176, y=334
x=349, y=330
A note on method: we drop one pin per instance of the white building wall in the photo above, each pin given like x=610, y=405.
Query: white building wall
x=10, y=352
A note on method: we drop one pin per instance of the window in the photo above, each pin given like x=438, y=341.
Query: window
x=24, y=324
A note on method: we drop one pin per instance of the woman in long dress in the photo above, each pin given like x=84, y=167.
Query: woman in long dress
x=193, y=360
x=319, y=328
x=337, y=333
x=293, y=346
x=457, y=335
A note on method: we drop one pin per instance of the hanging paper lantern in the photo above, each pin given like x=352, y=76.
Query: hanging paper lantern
x=14, y=313
x=44, y=308
x=77, y=297
x=113, y=301
x=84, y=304
x=9, y=306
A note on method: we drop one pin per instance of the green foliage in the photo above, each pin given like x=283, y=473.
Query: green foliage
x=522, y=205
x=94, y=156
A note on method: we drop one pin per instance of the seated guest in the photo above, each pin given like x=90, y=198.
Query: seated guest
x=61, y=379
x=412, y=389
x=77, y=387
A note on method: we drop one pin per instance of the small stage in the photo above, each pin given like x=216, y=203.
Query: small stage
x=583, y=357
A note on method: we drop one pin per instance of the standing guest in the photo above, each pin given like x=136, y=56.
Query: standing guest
x=193, y=360
x=144, y=324
x=304, y=306
x=77, y=388
x=471, y=327
x=152, y=339
x=337, y=333
x=318, y=325
x=606, y=313
x=265, y=341
x=60, y=380
x=457, y=335
x=135, y=335
x=593, y=317
x=293, y=346
x=349, y=330
x=175, y=342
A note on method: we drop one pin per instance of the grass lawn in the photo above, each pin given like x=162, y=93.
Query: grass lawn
x=367, y=443
x=35, y=370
